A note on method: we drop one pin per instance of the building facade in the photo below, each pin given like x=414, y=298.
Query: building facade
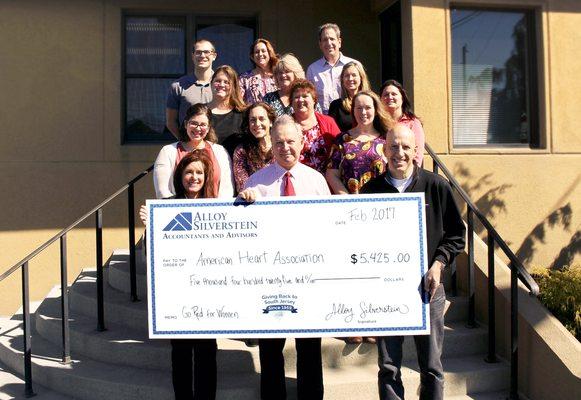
x=83, y=87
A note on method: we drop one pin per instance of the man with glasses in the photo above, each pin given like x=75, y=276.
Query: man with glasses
x=191, y=89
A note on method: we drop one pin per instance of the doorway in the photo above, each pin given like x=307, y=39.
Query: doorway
x=391, y=48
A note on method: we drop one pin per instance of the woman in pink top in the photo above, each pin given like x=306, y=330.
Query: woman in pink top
x=396, y=100
x=254, y=84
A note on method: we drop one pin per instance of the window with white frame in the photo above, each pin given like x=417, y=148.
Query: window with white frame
x=157, y=51
x=494, y=78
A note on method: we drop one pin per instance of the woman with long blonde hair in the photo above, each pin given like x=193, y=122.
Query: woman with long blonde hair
x=353, y=80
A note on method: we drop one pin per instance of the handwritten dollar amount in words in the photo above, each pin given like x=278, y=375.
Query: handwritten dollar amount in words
x=378, y=258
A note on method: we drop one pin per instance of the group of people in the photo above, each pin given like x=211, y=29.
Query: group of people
x=271, y=132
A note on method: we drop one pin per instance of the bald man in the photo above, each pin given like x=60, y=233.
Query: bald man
x=445, y=236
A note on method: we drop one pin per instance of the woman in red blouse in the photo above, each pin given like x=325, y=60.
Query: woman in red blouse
x=319, y=131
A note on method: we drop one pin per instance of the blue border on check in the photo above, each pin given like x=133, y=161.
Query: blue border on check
x=287, y=200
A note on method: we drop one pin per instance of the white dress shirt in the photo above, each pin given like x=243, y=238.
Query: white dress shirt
x=327, y=79
x=269, y=181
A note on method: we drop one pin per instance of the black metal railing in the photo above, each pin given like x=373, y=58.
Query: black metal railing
x=62, y=237
x=517, y=271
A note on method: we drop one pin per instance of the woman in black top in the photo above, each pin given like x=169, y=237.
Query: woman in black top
x=353, y=80
x=227, y=107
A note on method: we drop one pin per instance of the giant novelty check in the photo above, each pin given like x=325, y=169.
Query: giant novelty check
x=287, y=267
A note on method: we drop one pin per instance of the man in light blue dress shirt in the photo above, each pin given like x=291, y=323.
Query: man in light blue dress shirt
x=325, y=73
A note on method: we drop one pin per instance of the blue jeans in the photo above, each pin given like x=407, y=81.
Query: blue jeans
x=429, y=349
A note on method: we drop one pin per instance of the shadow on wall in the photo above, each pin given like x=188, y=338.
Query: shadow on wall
x=568, y=253
x=560, y=218
x=491, y=204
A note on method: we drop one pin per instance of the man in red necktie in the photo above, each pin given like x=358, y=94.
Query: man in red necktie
x=287, y=177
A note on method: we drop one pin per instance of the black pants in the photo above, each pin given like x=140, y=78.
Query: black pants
x=309, y=369
x=204, y=368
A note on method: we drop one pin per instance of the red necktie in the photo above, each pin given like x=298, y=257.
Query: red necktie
x=289, y=189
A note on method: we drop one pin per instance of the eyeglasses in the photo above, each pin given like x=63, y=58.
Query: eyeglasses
x=203, y=52
x=203, y=126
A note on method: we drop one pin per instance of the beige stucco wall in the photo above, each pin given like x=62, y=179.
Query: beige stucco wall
x=533, y=197
x=548, y=355
x=60, y=107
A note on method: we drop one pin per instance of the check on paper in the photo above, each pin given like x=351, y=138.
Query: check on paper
x=287, y=267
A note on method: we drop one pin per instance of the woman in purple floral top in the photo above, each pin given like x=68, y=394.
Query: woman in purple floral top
x=255, y=152
x=357, y=155
x=254, y=84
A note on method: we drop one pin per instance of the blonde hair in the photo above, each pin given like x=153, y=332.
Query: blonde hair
x=288, y=62
x=363, y=85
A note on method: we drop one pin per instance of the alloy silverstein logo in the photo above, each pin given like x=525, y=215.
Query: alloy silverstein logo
x=181, y=222
x=208, y=225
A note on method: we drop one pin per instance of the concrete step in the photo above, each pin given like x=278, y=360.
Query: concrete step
x=483, y=396
x=126, y=346
x=89, y=379
x=119, y=309
x=126, y=319
x=12, y=388
x=463, y=376
x=121, y=345
x=118, y=266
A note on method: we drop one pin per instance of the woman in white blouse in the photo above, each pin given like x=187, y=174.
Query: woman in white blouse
x=196, y=132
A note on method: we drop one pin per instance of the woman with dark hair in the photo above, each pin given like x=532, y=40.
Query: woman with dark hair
x=255, y=152
x=353, y=80
x=319, y=131
x=196, y=133
x=193, y=179
x=226, y=107
x=254, y=84
x=397, y=102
